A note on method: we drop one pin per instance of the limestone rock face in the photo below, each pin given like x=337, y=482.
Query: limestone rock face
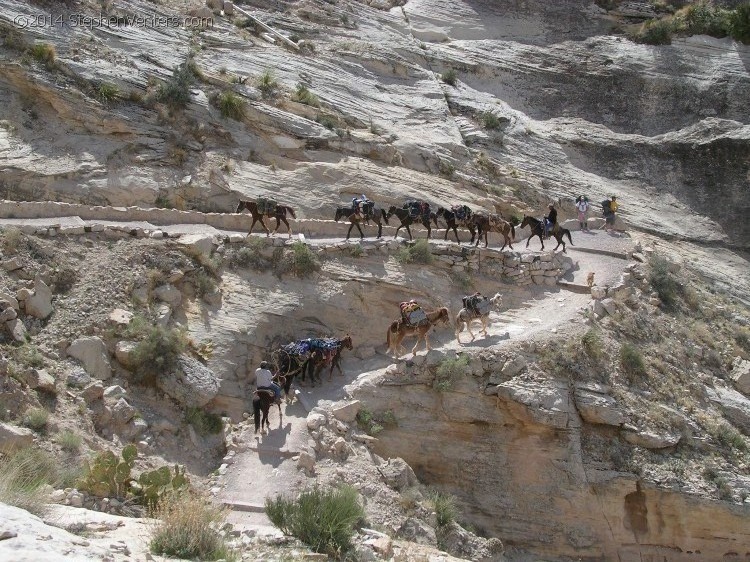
x=652, y=440
x=124, y=353
x=736, y=406
x=740, y=375
x=347, y=411
x=92, y=352
x=397, y=474
x=192, y=384
x=598, y=408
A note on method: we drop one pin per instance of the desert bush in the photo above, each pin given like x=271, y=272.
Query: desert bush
x=655, y=32
x=28, y=355
x=444, y=506
x=328, y=121
x=107, y=92
x=304, y=95
x=300, y=260
x=490, y=120
x=446, y=168
x=203, y=281
x=23, y=477
x=373, y=423
x=632, y=362
x=63, y=279
x=230, y=105
x=663, y=281
x=419, y=252
x=449, y=77
x=36, y=419
x=205, y=423
x=356, y=251
x=12, y=239
x=69, y=440
x=448, y=371
x=267, y=84
x=592, y=344
x=703, y=18
x=324, y=519
x=175, y=92
x=189, y=527
x=739, y=23
x=249, y=254
x=157, y=352
x=730, y=437
x=43, y=53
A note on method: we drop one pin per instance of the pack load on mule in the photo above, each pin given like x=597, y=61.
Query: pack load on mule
x=413, y=313
x=303, y=348
x=462, y=212
x=476, y=303
x=362, y=206
x=267, y=206
x=417, y=208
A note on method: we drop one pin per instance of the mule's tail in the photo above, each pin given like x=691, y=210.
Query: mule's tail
x=256, y=413
x=291, y=212
x=569, y=238
x=513, y=230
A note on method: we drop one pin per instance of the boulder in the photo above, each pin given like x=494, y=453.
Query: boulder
x=17, y=330
x=598, y=292
x=124, y=353
x=169, y=294
x=93, y=392
x=215, y=4
x=513, y=367
x=12, y=264
x=39, y=303
x=346, y=411
x=228, y=8
x=40, y=380
x=6, y=296
x=609, y=305
x=416, y=530
x=12, y=437
x=122, y=412
x=316, y=420
x=734, y=405
x=397, y=474
x=120, y=317
x=306, y=462
x=598, y=408
x=740, y=375
x=191, y=383
x=547, y=402
x=78, y=378
x=114, y=392
x=199, y=245
x=651, y=440
x=92, y=352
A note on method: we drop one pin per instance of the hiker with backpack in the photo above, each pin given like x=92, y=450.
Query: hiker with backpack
x=582, y=204
x=610, y=213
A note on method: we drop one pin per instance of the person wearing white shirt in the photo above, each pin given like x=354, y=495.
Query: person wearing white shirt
x=264, y=380
x=582, y=204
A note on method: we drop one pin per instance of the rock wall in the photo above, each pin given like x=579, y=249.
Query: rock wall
x=517, y=461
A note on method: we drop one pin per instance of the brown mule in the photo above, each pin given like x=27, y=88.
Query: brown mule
x=494, y=223
x=399, y=329
x=279, y=215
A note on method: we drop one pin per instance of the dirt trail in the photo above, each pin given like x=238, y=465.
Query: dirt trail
x=268, y=464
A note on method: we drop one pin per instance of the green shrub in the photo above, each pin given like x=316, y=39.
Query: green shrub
x=328, y=121
x=157, y=352
x=592, y=344
x=632, y=362
x=12, y=239
x=739, y=23
x=23, y=477
x=175, y=92
x=249, y=254
x=203, y=281
x=267, y=84
x=300, y=260
x=730, y=437
x=69, y=440
x=205, y=423
x=446, y=168
x=448, y=371
x=29, y=355
x=189, y=527
x=663, y=281
x=419, y=252
x=36, y=419
x=372, y=424
x=231, y=105
x=490, y=120
x=44, y=53
x=655, y=32
x=107, y=92
x=356, y=251
x=324, y=519
x=444, y=506
x=703, y=18
x=304, y=95
x=449, y=77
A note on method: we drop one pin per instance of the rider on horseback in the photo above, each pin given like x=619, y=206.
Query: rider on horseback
x=264, y=381
x=550, y=221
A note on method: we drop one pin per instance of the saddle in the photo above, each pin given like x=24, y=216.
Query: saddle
x=266, y=206
x=461, y=212
x=413, y=314
x=267, y=392
x=479, y=305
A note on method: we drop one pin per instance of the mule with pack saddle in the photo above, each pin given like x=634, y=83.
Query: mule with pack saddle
x=457, y=215
x=476, y=308
x=413, y=212
x=413, y=322
x=269, y=208
x=360, y=212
